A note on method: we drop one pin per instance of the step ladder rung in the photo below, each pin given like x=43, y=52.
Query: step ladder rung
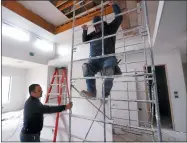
x=53, y=98
x=53, y=94
x=55, y=84
x=59, y=76
x=56, y=94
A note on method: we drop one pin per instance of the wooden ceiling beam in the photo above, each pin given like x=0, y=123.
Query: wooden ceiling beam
x=80, y=6
x=59, y=3
x=29, y=15
x=66, y=5
x=82, y=20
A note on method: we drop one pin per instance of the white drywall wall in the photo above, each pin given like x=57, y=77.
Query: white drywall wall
x=17, y=89
x=37, y=76
x=175, y=81
x=20, y=50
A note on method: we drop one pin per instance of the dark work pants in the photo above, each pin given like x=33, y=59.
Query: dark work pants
x=99, y=65
x=30, y=137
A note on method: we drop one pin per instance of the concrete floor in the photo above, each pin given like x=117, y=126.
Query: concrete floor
x=168, y=135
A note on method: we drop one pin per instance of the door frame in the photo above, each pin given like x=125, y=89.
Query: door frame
x=169, y=94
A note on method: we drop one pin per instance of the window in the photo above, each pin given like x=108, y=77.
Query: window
x=15, y=33
x=44, y=45
x=6, y=82
x=64, y=50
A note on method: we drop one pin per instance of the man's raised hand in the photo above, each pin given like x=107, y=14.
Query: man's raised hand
x=85, y=27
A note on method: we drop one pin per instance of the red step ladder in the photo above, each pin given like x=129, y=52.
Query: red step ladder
x=62, y=81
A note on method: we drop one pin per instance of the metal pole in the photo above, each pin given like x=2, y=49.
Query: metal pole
x=110, y=110
x=71, y=69
x=154, y=76
x=88, y=118
x=146, y=71
x=130, y=109
x=130, y=45
x=127, y=82
x=92, y=122
x=88, y=100
x=123, y=13
x=103, y=84
x=130, y=100
x=147, y=79
x=108, y=36
x=135, y=62
x=109, y=77
x=110, y=55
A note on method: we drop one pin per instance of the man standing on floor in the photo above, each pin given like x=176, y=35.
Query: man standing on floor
x=33, y=114
x=107, y=65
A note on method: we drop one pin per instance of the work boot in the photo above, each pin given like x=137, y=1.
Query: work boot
x=88, y=94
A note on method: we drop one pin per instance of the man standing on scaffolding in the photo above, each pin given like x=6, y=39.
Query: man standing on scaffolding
x=107, y=66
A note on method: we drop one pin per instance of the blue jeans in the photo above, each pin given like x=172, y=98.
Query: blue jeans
x=98, y=65
x=29, y=137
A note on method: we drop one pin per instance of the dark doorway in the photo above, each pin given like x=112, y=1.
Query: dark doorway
x=163, y=96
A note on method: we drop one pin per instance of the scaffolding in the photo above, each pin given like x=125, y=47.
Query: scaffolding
x=137, y=76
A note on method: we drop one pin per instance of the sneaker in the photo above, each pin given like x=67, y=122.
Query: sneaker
x=88, y=94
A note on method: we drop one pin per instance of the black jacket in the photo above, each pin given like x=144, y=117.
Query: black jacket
x=33, y=115
x=109, y=28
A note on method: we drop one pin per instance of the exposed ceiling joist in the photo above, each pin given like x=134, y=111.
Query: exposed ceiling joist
x=29, y=15
x=66, y=5
x=59, y=3
x=82, y=20
x=79, y=6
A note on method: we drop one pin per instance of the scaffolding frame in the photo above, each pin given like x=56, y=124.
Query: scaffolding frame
x=153, y=99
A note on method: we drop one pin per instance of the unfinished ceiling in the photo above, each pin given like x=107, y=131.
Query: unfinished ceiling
x=81, y=6
x=56, y=16
x=45, y=10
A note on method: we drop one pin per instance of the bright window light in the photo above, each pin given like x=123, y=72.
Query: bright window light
x=6, y=82
x=43, y=45
x=15, y=33
x=64, y=50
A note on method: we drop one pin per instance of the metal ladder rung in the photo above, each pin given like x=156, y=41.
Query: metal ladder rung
x=88, y=118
